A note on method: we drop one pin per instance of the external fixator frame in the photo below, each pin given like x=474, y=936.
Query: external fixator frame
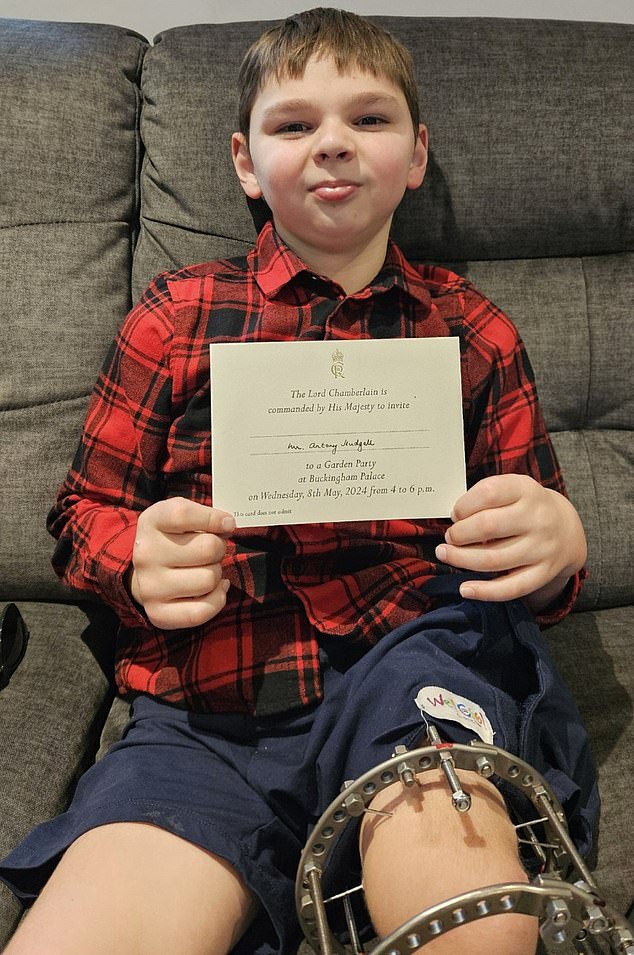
x=570, y=912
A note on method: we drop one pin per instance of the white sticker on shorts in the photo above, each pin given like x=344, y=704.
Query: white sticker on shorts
x=445, y=705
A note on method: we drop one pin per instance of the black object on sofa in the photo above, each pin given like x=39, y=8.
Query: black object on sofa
x=115, y=164
x=14, y=638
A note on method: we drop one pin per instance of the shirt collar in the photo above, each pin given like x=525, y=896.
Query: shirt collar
x=397, y=272
x=272, y=263
x=274, y=266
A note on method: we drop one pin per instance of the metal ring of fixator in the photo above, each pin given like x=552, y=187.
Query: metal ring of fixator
x=568, y=911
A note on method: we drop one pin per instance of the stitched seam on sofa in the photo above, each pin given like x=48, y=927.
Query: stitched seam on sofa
x=138, y=158
x=212, y=235
x=44, y=404
x=599, y=521
x=30, y=225
x=584, y=276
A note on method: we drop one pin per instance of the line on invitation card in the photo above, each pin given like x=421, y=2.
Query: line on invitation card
x=357, y=451
x=323, y=434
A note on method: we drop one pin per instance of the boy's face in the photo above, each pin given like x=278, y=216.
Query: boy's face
x=332, y=154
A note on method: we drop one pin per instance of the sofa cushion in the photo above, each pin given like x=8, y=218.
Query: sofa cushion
x=70, y=102
x=193, y=209
x=574, y=315
x=51, y=715
x=593, y=652
x=530, y=138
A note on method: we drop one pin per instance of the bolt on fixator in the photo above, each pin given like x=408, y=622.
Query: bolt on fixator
x=459, y=798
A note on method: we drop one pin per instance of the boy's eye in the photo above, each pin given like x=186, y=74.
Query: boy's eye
x=295, y=127
x=371, y=121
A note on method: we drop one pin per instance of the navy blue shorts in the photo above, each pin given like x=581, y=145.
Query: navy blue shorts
x=250, y=790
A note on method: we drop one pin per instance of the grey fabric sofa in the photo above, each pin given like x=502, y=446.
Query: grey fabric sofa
x=114, y=165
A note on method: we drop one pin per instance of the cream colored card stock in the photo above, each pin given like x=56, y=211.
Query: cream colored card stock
x=314, y=432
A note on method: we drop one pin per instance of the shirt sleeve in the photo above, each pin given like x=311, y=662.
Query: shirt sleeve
x=504, y=426
x=116, y=472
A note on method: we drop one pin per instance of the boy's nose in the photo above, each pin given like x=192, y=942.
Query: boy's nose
x=324, y=155
x=333, y=143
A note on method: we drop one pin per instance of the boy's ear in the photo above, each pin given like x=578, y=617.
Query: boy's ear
x=243, y=165
x=418, y=164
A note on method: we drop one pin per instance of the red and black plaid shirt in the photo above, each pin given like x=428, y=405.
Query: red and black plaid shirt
x=147, y=437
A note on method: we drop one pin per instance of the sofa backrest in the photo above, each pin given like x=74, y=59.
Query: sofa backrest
x=70, y=154
x=529, y=193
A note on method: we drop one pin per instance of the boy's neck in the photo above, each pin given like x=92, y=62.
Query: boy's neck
x=351, y=268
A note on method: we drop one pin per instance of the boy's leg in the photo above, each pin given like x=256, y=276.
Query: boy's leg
x=133, y=888
x=427, y=852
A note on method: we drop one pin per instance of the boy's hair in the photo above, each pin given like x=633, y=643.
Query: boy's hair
x=284, y=50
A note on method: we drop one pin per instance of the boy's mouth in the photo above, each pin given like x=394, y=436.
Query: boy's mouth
x=333, y=190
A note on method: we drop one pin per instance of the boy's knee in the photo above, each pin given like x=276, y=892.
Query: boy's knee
x=419, y=851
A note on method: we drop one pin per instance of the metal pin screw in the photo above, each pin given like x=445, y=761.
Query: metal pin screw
x=461, y=801
x=354, y=804
x=405, y=770
x=557, y=912
x=598, y=922
x=484, y=766
x=459, y=798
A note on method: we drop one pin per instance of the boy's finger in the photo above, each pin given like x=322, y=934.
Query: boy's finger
x=499, y=490
x=167, y=585
x=189, y=613
x=198, y=549
x=493, y=558
x=177, y=515
x=509, y=586
x=493, y=524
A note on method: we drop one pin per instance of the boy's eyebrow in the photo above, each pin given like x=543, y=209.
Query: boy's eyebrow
x=366, y=100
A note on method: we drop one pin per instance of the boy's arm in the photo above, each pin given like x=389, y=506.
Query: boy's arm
x=515, y=522
x=153, y=561
x=116, y=471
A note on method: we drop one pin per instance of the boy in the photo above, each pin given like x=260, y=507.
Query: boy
x=266, y=666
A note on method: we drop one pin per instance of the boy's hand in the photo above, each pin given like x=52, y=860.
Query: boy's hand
x=176, y=560
x=512, y=526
